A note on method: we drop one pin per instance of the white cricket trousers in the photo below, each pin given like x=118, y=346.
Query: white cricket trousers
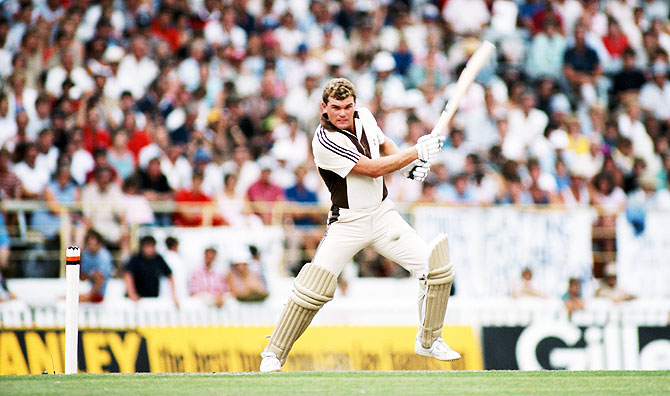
x=380, y=228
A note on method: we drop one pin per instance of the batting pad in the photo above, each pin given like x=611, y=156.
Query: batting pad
x=438, y=282
x=313, y=287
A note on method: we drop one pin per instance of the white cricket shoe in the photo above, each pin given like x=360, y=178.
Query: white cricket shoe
x=270, y=363
x=439, y=350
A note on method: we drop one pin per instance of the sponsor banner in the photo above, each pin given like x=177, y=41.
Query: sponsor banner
x=233, y=349
x=490, y=246
x=100, y=351
x=570, y=347
x=643, y=259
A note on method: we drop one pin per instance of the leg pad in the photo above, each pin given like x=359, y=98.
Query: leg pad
x=313, y=287
x=438, y=282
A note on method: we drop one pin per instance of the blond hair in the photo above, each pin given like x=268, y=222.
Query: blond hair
x=338, y=88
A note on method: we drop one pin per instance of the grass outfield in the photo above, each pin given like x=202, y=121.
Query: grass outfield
x=369, y=383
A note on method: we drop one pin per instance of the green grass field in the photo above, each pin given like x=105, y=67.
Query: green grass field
x=369, y=383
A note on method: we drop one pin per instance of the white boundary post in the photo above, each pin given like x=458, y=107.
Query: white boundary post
x=72, y=260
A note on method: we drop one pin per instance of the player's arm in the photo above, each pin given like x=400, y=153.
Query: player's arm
x=384, y=165
x=394, y=159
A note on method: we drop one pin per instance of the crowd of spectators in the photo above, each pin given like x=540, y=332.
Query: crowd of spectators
x=142, y=101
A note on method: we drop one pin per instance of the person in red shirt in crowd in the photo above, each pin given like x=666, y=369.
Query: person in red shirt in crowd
x=264, y=191
x=190, y=205
x=615, y=41
x=137, y=138
x=164, y=28
x=94, y=134
x=101, y=161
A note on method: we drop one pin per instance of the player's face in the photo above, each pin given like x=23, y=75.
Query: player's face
x=340, y=112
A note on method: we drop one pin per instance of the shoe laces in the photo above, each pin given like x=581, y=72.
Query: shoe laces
x=440, y=346
x=268, y=355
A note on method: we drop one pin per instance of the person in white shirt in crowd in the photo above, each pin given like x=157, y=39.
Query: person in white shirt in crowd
x=189, y=69
x=526, y=124
x=33, y=178
x=8, y=126
x=112, y=57
x=466, y=16
x=137, y=70
x=47, y=152
x=300, y=99
x=176, y=167
x=103, y=211
x=631, y=126
x=577, y=193
x=40, y=119
x=289, y=138
x=67, y=70
x=609, y=288
x=224, y=32
x=179, y=266
x=655, y=95
x=244, y=167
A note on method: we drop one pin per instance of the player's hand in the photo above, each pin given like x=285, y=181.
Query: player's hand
x=417, y=170
x=428, y=146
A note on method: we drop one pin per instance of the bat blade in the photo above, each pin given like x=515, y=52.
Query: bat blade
x=472, y=68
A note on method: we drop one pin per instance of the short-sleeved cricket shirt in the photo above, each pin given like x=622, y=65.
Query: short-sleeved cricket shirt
x=336, y=151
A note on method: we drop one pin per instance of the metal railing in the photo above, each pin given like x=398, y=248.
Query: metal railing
x=23, y=238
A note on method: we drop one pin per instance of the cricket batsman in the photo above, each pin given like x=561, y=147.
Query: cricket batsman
x=352, y=155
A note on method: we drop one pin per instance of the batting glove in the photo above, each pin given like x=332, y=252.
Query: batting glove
x=417, y=170
x=428, y=146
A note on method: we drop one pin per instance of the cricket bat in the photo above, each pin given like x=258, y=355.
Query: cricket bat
x=472, y=68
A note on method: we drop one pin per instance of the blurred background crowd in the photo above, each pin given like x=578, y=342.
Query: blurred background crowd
x=123, y=106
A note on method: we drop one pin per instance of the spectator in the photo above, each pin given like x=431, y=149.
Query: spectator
x=100, y=160
x=206, y=283
x=609, y=288
x=301, y=194
x=177, y=265
x=655, y=95
x=525, y=287
x=96, y=267
x=33, y=178
x=5, y=293
x=193, y=205
x=514, y=193
x=81, y=159
x=262, y=194
x=143, y=272
x=461, y=193
x=93, y=133
x=101, y=202
x=233, y=207
x=119, y=157
x=581, y=67
x=545, y=55
x=610, y=199
x=526, y=127
x=47, y=153
x=137, y=207
x=573, y=297
x=137, y=70
x=629, y=79
x=60, y=194
x=153, y=184
x=8, y=126
x=245, y=283
x=10, y=185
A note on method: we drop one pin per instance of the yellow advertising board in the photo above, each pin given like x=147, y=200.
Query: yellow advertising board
x=230, y=349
